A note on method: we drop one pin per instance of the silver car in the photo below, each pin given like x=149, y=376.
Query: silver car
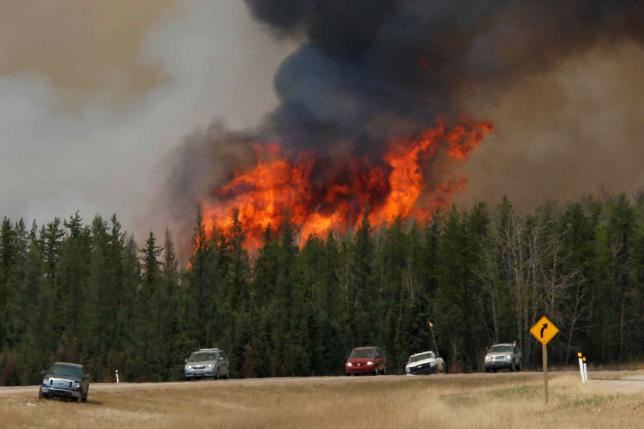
x=65, y=380
x=503, y=356
x=207, y=363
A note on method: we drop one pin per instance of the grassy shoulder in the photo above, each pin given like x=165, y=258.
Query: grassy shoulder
x=453, y=401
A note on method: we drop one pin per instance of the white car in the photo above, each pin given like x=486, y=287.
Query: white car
x=425, y=363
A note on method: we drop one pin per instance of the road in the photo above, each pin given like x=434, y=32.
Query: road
x=274, y=381
x=633, y=383
x=627, y=384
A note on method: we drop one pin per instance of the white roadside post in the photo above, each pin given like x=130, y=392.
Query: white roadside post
x=581, y=368
x=585, y=370
x=116, y=371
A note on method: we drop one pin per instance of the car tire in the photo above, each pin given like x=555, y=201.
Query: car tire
x=518, y=367
x=79, y=399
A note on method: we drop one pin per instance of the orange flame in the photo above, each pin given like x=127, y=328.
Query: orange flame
x=395, y=188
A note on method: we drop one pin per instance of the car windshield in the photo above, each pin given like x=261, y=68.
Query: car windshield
x=501, y=348
x=66, y=370
x=421, y=356
x=202, y=357
x=363, y=353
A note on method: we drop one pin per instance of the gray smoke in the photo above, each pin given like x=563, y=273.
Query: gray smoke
x=366, y=68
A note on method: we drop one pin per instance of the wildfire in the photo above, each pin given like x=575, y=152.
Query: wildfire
x=321, y=196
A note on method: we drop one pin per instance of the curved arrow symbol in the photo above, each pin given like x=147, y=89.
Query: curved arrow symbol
x=543, y=328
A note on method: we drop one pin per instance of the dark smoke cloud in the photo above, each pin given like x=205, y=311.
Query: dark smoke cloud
x=405, y=62
x=206, y=157
x=366, y=70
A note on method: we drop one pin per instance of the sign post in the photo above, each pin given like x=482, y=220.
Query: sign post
x=544, y=358
x=544, y=330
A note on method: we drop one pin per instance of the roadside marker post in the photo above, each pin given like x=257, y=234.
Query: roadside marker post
x=585, y=370
x=430, y=325
x=544, y=331
x=116, y=371
x=581, y=368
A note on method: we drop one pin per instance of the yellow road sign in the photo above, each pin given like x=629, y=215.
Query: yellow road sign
x=544, y=330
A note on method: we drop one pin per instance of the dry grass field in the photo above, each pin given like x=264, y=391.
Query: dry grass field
x=452, y=401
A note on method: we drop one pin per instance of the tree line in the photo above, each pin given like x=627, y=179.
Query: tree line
x=72, y=291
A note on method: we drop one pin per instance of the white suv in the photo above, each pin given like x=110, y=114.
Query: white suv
x=425, y=363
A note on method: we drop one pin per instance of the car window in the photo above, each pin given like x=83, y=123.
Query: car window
x=202, y=356
x=500, y=348
x=363, y=353
x=421, y=356
x=66, y=370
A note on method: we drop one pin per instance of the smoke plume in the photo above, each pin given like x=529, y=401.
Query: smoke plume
x=367, y=72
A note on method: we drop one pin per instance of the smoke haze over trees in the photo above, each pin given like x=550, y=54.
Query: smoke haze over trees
x=87, y=292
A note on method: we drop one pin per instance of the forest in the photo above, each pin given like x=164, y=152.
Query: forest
x=89, y=293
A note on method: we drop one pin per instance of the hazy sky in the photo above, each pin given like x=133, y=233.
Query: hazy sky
x=93, y=95
x=574, y=130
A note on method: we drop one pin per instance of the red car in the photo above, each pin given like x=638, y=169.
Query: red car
x=365, y=360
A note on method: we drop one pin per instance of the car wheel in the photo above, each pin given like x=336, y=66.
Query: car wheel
x=79, y=399
x=217, y=376
x=518, y=367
